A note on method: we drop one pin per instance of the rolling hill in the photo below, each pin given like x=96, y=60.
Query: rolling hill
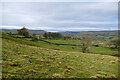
x=31, y=61
x=14, y=31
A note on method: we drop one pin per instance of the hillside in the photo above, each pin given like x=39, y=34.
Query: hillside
x=14, y=31
x=24, y=61
x=91, y=32
x=101, y=35
x=48, y=43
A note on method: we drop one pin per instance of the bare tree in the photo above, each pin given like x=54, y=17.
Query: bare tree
x=85, y=41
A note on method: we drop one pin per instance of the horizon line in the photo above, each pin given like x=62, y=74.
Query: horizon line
x=60, y=31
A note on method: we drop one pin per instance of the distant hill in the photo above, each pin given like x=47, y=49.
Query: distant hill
x=72, y=33
x=14, y=31
x=37, y=31
x=101, y=35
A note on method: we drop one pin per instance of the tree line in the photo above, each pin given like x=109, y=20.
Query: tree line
x=50, y=35
x=47, y=35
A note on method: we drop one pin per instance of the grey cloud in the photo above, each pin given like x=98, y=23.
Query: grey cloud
x=54, y=15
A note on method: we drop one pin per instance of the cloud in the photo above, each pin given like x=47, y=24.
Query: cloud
x=63, y=15
x=11, y=27
x=59, y=0
x=53, y=29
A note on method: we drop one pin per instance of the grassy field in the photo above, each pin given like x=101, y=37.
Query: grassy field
x=102, y=50
x=95, y=50
x=25, y=61
x=75, y=42
x=92, y=49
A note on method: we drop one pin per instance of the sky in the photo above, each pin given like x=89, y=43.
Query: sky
x=60, y=16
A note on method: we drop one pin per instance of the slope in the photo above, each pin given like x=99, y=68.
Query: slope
x=24, y=61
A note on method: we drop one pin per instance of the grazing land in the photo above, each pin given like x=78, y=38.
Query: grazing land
x=26, y=57
x=69, y=47
x=25, y=61
x=60, y=40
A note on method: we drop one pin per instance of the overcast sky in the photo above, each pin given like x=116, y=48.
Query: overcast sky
x=61, y=16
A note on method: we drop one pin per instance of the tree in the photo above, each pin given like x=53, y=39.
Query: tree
x=45, y=35
x=51, y=35
x=67, y=37
x=23, y=32
x=85, y=41
x=115, y=43
x=34, y=36
x=56, y=36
